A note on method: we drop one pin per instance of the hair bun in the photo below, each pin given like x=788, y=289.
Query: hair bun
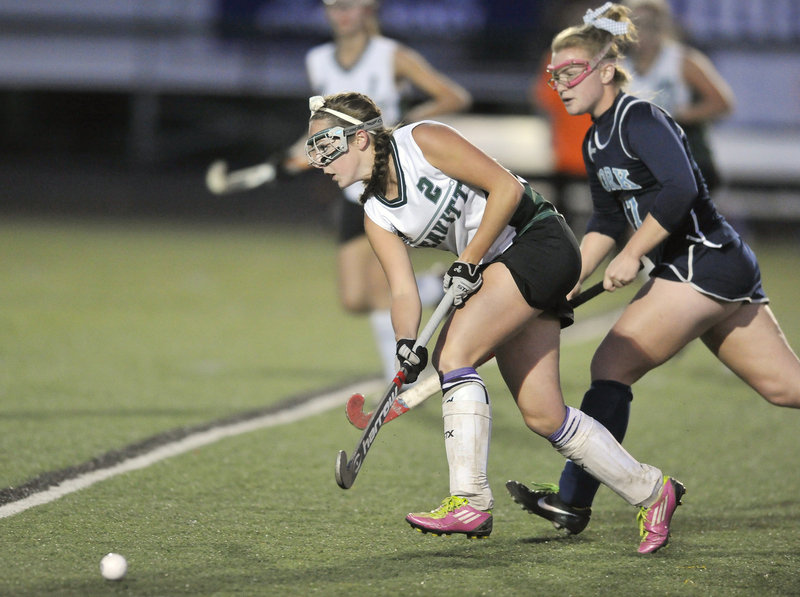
x=596, y=19
x=316, y=103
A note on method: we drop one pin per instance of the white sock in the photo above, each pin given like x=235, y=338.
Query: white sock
x=467, y=417
x=592, y=447
x=382, y=330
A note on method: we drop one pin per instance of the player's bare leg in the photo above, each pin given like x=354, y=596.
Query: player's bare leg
x=663, y=317
x=529, y=364
x=494, y=313
x=661, y=320
x=527, y=349
x=751, y=343
x=362, y=283
x=363, y=290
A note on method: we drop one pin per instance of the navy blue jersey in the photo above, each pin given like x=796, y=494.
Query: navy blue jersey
x=639, y=163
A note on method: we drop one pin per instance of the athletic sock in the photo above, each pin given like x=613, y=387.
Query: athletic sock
x=609, y=403
x=467, y=417
x=382, y=330
x=591, y=446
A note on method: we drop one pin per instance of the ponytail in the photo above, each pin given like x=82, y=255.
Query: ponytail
x=379, y=180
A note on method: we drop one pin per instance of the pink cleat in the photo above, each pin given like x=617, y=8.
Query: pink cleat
x=455, y=515
x=654, y=520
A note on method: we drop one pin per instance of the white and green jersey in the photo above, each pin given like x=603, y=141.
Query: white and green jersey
x=663, y=83
x=373, y=75
x=434, y=210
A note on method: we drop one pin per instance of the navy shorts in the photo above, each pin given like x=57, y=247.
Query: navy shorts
x=545, y=262
x=728, y=273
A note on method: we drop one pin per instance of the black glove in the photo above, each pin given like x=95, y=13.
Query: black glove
x=410, y=360
x=462, y=280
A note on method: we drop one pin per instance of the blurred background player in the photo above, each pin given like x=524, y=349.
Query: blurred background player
x=567, y=132
x=427, y=186
x=360, y=59
x=706, y=282
x=677, y=77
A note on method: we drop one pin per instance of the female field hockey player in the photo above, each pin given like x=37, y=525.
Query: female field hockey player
x=427, y=186
x=678, y=78
x=705, y=282
x=360, y=59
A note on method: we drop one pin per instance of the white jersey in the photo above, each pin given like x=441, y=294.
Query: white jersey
x=432, y=209
x=663, y=84
x=373, y=75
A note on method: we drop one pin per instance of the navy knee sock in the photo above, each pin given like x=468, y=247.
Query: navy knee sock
x=609, y=403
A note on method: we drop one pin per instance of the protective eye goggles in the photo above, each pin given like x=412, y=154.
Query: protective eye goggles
x=331, y=143
x=571, y=72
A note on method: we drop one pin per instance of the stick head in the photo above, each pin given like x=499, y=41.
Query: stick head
x=355, y=411
x=220, y=180
x=345, y=476
x=216, y=177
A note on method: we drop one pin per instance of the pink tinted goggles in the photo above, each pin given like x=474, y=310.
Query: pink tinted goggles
x=573, y=71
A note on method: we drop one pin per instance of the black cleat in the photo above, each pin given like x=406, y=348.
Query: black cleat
x=542, y=499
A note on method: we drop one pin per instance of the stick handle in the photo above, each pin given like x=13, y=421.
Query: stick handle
x=591, y=292
x=587, y=294
x=442, y=311
x=220, y=180
x=254, y=175
x=347, y=470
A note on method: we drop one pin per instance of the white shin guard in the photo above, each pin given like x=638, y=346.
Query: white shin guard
x=467, y=417
x=592, y=447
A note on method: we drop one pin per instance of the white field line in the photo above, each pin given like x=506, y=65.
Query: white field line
x=579, y=332
x=313, y=407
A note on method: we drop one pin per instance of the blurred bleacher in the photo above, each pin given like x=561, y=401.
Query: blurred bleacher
x=93, y=91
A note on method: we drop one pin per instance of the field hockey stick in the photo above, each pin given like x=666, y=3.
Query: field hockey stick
x=416, y=395
x=424, y=389
x=347, y=470
x=587, y=294
x=427, y=387
x=592, y=292
x=220, y=181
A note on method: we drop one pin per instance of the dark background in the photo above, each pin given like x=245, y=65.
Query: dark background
x=115, y=108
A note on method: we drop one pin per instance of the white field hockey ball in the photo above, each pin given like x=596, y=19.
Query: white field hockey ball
x=113, y=566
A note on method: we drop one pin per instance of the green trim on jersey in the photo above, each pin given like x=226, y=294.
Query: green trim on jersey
x=532, y=211
x=401, y=181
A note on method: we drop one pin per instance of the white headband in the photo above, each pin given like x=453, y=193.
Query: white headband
x=596, y=20
x=317, y=103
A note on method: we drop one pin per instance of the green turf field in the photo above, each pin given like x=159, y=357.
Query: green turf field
x=113, y=333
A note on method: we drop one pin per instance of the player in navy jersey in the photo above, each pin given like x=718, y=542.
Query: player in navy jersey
x=427, y=186
x=679, y=78
x=705, y=282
